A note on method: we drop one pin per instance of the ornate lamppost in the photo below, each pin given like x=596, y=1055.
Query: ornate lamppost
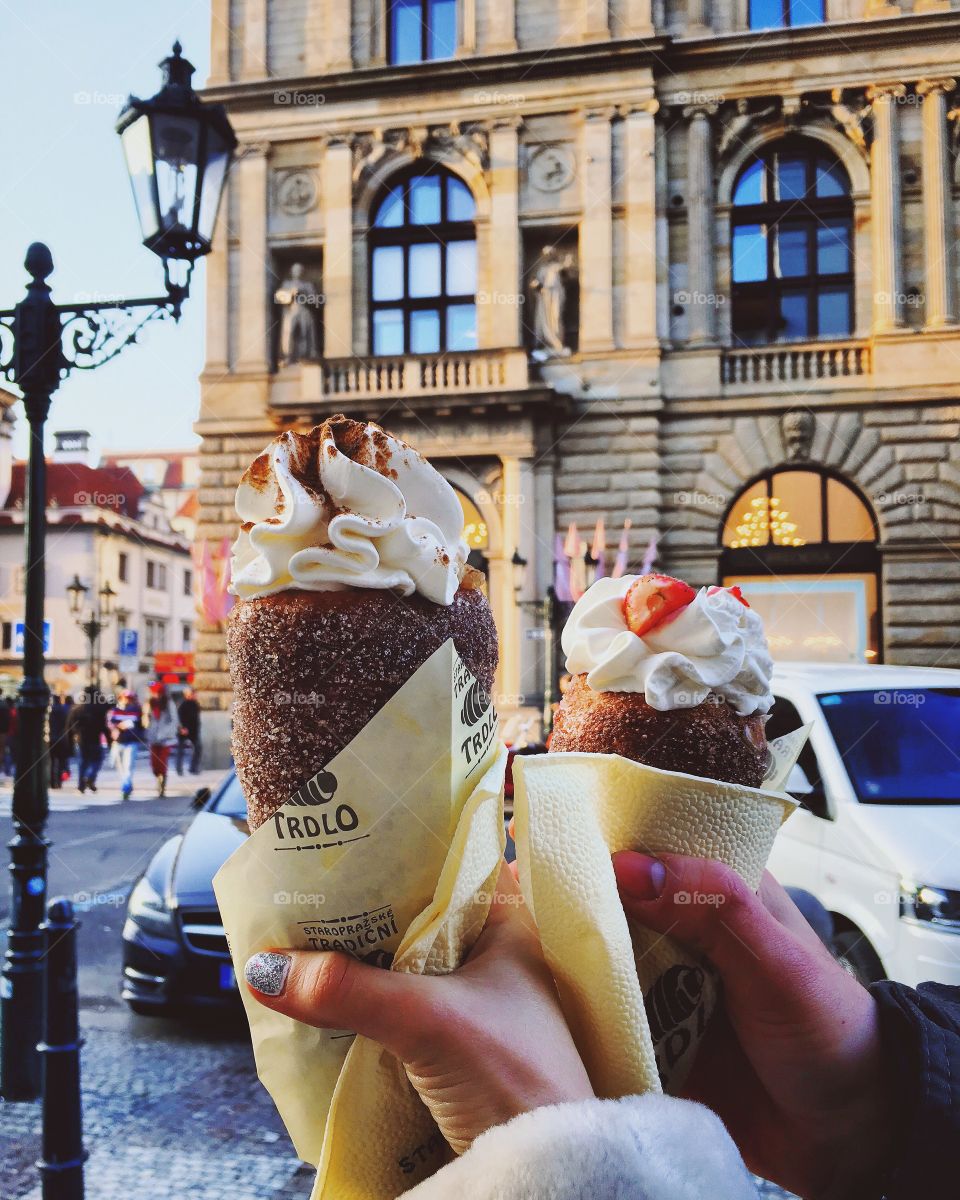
x=177, y=151
x=94, y=624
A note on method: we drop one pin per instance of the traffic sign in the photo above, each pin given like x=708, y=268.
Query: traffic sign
x=18, y=637
x=128, y=643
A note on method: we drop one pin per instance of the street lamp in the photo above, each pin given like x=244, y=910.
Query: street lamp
x=177, y=151
x=94, y=624
x=545, y=611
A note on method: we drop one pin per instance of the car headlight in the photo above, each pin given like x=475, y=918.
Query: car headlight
x=932, y=905
x=147, y=909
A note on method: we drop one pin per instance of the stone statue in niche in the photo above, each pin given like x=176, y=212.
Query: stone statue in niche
x=300, y=300
x=549, y=284
x=796, y=432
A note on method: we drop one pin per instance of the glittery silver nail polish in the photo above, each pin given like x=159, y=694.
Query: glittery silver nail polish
x=267, y=973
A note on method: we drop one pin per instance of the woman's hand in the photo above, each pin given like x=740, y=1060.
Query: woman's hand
x=793, y=1063
x=481, y=1045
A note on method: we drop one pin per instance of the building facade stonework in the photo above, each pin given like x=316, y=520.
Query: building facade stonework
x=753, y=290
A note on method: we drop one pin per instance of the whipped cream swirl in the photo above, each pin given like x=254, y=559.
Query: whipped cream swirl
x=714, y=644
x=346, y=505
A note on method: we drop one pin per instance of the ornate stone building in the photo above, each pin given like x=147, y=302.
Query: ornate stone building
x=691, y=265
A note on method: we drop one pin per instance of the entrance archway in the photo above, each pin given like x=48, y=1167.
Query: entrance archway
x=802, y=543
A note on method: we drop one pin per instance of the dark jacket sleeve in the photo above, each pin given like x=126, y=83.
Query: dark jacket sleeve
x=921, y=1039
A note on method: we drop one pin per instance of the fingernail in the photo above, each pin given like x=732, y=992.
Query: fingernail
x=267, y=972
x=638, y=875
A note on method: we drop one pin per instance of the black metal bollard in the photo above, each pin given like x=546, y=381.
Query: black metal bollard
x=61, y=1167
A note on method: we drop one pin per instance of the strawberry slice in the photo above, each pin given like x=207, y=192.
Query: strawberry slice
x=734, y=591
x=651, y=599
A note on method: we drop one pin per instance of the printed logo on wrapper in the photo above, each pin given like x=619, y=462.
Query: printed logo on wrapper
x=338, y=823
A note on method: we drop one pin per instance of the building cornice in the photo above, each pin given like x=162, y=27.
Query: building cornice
x=845, y=38
x=475, y=73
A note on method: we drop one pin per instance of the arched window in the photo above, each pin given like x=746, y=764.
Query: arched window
x=423, y=266
x=792, y=246
x=802, y=543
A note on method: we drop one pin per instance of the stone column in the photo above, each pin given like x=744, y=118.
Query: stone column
x=338, y=247
x=503, y=269
x=253, y=35
x=595, y=20
x=596, y=231
x=696, y=16
x=377, y=49
x=885, y=207
x=253, y=268
x=701, y=274
x=220, y=33
x=218, y=297
x=501, y=27
x=339, y=34
x=640, y=214
x=940, y=305
x=509, y=629
x=638, y=17
x=466, y=28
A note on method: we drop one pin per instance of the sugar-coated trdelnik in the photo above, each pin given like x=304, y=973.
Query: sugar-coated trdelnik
x=350, y=568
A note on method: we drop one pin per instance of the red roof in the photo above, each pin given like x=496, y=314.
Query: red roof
x=75, y=485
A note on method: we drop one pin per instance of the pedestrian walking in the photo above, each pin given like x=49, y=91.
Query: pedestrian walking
x=161, y=733
x=87, y=726
x=125, y=723
x=188, y=733
x=59, y=741
x=4, y=732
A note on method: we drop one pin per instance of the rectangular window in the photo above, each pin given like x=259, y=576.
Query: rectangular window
x=156, y=635
x=6, y=633
x=421, y=30
x=162, y=576
x=186, y=632
x=123, y=566
x=188, y=582
x=151, y=573
x=775, y=14
x=749, y=253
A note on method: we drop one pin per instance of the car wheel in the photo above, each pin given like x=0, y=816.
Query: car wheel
x=147, y=1010
x=854, y=952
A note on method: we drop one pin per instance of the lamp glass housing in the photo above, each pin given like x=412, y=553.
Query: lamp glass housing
x=76, y=591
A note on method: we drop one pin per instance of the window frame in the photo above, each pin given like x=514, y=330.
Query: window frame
x=426, y=14
x=772, y=215
x=443, y=233
x=786, y=22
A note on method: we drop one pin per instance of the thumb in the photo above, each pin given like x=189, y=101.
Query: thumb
x=333, y=991
x=707, y=906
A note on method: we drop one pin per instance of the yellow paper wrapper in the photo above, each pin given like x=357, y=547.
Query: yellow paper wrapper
x=391, y=854
x=573, y=811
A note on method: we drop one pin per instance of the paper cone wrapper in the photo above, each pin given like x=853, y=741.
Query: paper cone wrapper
x=391, y=854
x=573, y=811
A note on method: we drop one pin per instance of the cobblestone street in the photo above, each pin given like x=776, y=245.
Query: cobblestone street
x=170, y=1110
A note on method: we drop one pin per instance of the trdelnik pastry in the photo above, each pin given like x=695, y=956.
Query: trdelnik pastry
x=351, y=571
x=668, y=676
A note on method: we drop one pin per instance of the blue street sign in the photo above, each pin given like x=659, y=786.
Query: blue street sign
x=18, y=637
x=128, y=643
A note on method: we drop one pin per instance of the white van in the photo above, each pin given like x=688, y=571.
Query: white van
x=877, y=836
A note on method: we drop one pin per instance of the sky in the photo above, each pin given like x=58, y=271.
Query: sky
x=66, y=68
